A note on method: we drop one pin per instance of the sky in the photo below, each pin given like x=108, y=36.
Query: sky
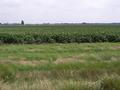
x=60, y=11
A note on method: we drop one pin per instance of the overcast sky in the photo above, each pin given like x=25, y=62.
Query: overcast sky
x=59, y=11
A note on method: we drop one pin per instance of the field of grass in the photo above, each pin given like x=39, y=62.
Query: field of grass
x=88, y=66
x=59, y=34
x=78, y=64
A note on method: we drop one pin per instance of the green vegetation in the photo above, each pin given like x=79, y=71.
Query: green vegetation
x=59, y=34
x=26, y=64
x=89, y=66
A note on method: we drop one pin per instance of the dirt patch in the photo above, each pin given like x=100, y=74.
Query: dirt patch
x=115, y=58
x=32, y=50
x=116, y=47
x=33, y=63
x=5, y=62
x=112, y=59
x=69, y=60
x=24, y=62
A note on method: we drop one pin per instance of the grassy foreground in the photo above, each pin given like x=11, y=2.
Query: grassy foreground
x=94, y=66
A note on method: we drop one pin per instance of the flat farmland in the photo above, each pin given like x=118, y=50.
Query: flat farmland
x=60, y=57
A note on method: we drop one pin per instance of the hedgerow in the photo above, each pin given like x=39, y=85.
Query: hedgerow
x=34, y=38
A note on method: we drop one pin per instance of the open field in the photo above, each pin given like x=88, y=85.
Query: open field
x=59, y=34
x=88, y=66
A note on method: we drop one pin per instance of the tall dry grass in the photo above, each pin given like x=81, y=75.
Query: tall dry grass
x=103, y=83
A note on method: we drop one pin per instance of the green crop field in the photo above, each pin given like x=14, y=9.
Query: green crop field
x=82, y=29
x=59, y=34
x=60, y=57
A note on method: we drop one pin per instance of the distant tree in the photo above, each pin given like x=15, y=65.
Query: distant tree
x=22, y=22
x=84, y=23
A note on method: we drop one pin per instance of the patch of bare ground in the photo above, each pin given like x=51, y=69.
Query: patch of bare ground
x=24, y=62
x=87, y=48
x=115, y=58
x=4, y=86
x=32, y=50
x=69, y=60
x=112, y=59
x=116, y=47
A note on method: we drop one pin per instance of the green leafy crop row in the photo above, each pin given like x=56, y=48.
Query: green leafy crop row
x=59, y=34
x=57, y=38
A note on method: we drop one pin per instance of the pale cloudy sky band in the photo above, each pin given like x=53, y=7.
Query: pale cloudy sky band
x=60, y=11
